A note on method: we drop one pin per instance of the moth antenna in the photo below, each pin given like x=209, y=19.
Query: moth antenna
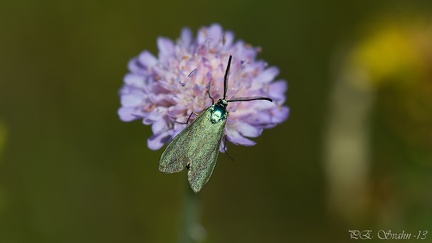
x=249, y=99
x=226, y=77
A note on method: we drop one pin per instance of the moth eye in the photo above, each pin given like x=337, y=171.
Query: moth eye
x=188, y=166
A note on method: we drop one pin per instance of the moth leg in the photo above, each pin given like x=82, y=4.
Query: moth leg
x=208, y=92
x=225, y=144
x=187, y=121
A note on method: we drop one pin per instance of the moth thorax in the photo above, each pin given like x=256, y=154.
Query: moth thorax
x=217, y=113
x=222, y=102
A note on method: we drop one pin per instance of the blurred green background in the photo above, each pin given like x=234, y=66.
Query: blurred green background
x=71, y=171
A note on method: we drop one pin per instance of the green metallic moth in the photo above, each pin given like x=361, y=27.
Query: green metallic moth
x=196, y=147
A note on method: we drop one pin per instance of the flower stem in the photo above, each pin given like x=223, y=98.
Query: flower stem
x=189, y=221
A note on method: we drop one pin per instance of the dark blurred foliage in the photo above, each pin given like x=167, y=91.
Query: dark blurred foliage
x=71, y=171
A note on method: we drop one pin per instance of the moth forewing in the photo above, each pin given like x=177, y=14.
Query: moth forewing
x=205, y=154
x=175, y=157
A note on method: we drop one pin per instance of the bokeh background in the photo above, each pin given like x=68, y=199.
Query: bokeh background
x=355, y=154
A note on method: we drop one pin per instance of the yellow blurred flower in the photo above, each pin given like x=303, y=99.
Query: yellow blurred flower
x=395, y=58
x=395, y=51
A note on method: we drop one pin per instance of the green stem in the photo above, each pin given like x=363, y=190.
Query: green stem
x=190, y=217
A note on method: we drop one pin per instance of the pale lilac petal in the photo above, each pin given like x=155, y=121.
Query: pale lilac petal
x=178, y=127
x=260, y=119
x=202, y=36
x=134, y=80
x=136, y=67
x=280, y=115
x=278, y=87
x=165, y=46
x=186, y=38
x=157, y=141
x=197, y=89
x=235, y=138
x=147, y=59
x=154, y=116
x=159, y=126
x=277, y=91
x=131, y=100
x=215, y=33
x=127, y=114
x=159, y=99
x=268, y=75
x=248, y=130
x=229, y=38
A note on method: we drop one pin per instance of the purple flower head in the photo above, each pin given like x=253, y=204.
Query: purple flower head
x=163, y=91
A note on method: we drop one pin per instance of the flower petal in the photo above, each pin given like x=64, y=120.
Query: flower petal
x=131, y=100
x=157, y=141
x=154, y=116
x=268, y=75
x=277, y=91
x=235, y=138
x=165, y=46
x=247, y=130
x=134, y=80
x=186, y=38
x=229, y=38
x=280, y=115
x=147, y=59
x=215, y=33
x=127, y=114
x=159, y=126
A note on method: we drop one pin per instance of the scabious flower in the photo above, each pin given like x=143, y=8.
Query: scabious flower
x=164, y=91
